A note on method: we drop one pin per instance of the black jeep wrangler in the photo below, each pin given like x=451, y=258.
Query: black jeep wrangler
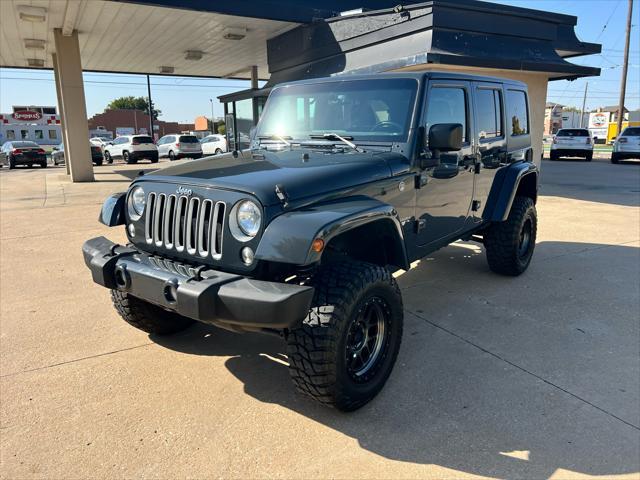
x=347, y=180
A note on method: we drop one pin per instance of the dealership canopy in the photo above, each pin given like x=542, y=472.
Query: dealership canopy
x=281, y=40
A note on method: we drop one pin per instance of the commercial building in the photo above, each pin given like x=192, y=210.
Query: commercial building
x=40, y=124
x=113, y=123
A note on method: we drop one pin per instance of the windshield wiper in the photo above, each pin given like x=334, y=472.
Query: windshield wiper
x=335, y=136
x=284, y=139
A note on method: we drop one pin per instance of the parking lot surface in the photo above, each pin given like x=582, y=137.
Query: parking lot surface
x=529, y=377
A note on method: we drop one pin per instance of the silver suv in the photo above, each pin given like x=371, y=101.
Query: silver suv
x=179, y=146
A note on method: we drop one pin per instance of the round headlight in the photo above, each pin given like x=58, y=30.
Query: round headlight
x=249, y=218
x=137, y=202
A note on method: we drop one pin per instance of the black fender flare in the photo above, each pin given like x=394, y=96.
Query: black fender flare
x=289, y=237
x=504, y=188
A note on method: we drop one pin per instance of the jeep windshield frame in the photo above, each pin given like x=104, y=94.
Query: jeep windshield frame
x=371, y=110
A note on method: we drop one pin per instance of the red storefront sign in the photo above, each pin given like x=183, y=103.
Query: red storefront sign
x=27, y=115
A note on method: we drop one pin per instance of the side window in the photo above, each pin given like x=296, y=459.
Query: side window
x=517, y=112
x=24, y=134
x=39, y=134
x=448, y=105
x=11, y=134
x=53, y=135
x=489, y=113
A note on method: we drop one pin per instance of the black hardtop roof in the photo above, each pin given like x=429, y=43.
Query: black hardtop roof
x=415, y=75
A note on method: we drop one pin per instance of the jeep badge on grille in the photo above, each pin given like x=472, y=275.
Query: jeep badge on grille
x=184, y=191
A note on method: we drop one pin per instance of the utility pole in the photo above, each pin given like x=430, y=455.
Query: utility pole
x=584, y=103
x=150, y=108
x=625, y=67
x=211, y=100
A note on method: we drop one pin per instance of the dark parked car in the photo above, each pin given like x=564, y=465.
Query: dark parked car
x=19, y=152
x=348, y=179
x=96, y=154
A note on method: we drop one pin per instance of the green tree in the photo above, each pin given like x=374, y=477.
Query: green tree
x=133, y=103
x=222, y=128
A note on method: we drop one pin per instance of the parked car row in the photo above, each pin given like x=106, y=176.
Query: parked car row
x=577, y=142
x=130, y=148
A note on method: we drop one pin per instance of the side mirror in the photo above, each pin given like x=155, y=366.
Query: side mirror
x=445, y=137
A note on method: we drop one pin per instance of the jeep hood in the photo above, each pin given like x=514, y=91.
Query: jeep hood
x=315, y=173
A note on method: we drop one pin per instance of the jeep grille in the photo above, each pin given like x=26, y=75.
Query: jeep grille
x=180, y=223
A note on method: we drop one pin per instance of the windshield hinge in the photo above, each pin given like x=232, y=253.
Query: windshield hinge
x=282, y=195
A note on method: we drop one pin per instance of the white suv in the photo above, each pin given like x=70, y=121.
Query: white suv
x=214, y=144
x=627, y=145
x=131, y=148
x=179, y=146
x=572, y=142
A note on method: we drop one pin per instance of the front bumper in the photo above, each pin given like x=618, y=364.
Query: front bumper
x=206, y=295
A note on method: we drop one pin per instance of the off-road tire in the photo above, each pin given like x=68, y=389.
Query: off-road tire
x=502, y=240
x=317, y=350
x=146, y=316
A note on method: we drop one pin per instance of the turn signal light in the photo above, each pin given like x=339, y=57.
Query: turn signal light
x=317, y=245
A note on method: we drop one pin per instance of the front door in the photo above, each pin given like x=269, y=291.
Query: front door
x=446, y=191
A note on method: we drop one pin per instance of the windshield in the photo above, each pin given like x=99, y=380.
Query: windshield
x=573, y=133
x=631, y=132
x=360, y=110
x=24, y=144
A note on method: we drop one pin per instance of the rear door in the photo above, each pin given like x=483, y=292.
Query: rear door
x=490, y=138
x=446, y=191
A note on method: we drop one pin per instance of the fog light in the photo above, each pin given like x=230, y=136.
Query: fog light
x=132, y=230
x=247, y=255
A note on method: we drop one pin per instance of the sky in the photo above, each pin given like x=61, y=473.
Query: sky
x=182, y=99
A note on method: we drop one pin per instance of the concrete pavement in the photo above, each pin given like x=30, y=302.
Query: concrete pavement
x=533, y=377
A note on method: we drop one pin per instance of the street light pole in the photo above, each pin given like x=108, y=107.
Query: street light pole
x=625, y=66
x=211, y=100
x=150, y=107
x=584, y=103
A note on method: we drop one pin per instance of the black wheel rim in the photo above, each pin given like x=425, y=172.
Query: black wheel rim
x=525, y=239
x=367, y=339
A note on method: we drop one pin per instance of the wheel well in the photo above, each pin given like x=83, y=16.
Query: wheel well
x=376, y=242
x=528, y=187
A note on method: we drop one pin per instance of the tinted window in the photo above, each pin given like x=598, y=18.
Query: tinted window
x=53, y=134
x=631, y=132
x=39, y=134
x=143, y=139
x=489, y=113
x=447, y=105
x=375, y=110
x=517, y=112
x=24, y=134
x=188, y=139
x=24, y=144
x=574, y=132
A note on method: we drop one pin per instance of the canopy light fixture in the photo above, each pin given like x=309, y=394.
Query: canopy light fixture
x=34, y=44
x=32, y=14
x=35, y=62
x=234, y=33
x=193, y=55
x=166, y=69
